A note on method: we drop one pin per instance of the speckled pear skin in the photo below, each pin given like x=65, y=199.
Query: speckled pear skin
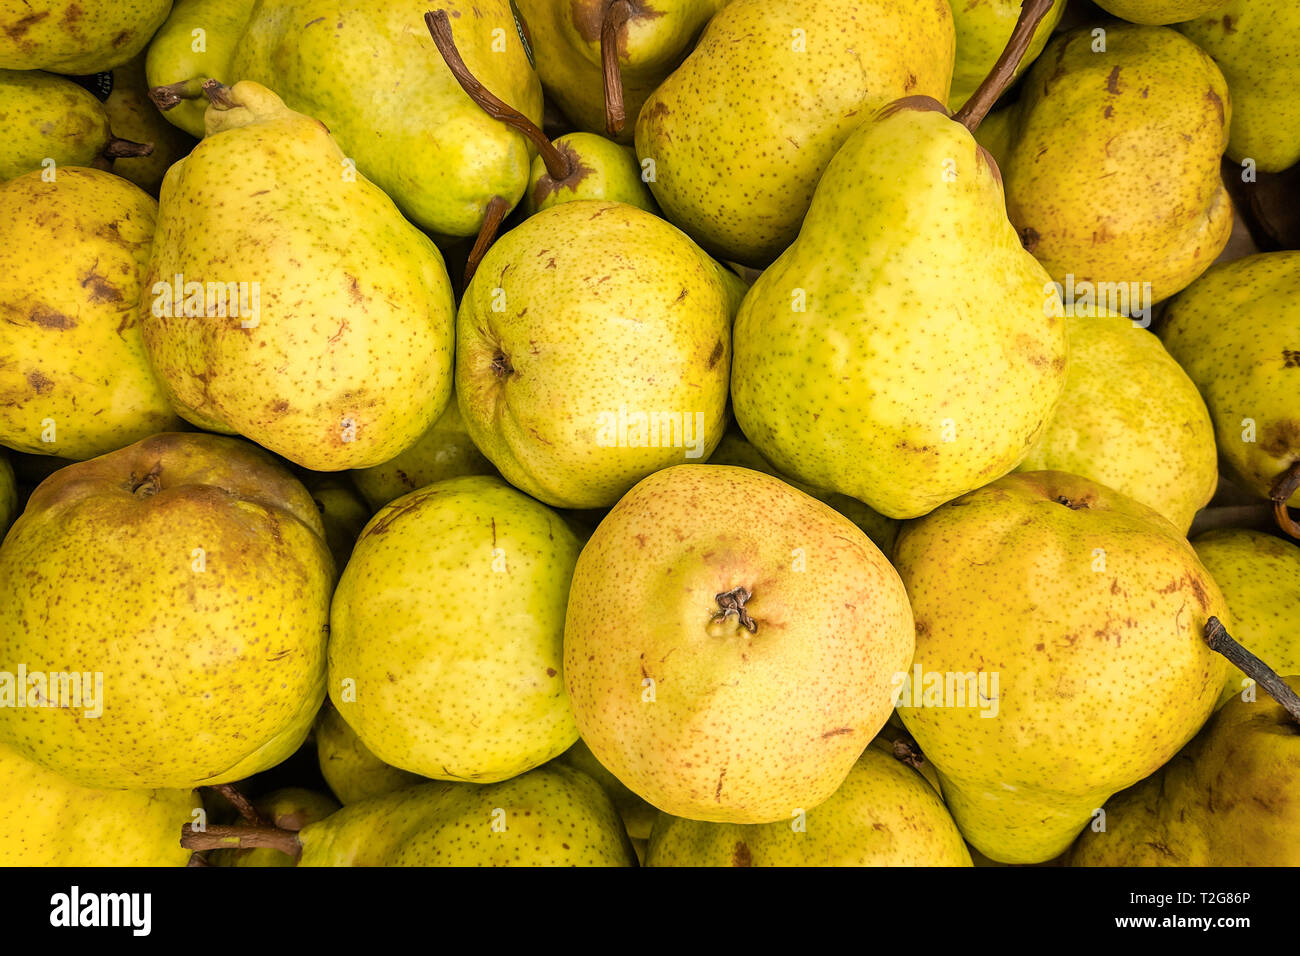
x=1236, y=332
x=74, y=37
x=1158, y=12
x=1113, y=172
x=71, y=279
x=582, y=310
x=290, y=808
x=983, y=28
x=883, y=814
x=1230, y=798
x=744, y=727
x=209, y=675
x=46, y=820
x=348, y=360
x=1257, y=46
x=1103, y=672
x=602, y=169
x=911, y=375
x=742, y=131
x=449, y=618
x=351, y=770
x=552, y=816
x=1259, y=575
x=638, y=816
x=566, y=46
x=1107, y=427
x=48, y=117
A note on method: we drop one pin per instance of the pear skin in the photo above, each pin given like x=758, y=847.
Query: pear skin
x=8, y=495
x=1158, y=12
x=351, y=770
x=601, y=169
x=64, y=36
x=982, y=32
x=48, y=117
x=638, y=816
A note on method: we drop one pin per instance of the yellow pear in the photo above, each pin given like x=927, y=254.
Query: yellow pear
x=351, y=770
x=75, y=37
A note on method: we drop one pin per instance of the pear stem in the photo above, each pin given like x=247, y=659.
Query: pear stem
x=1220, y=641
x=1286, y=485
x=241, y=803
x=122, y=148
x=240, y=838
x=169, y=96
x=616, y=17
x=218, y=95
x=497, y=208
x=999, y=78
x=440, y=29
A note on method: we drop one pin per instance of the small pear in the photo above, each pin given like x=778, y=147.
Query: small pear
x=351, y=770
x=599, y=169
x=291, y=808
x=74, y=37
x=982, y=32
x=48, y=120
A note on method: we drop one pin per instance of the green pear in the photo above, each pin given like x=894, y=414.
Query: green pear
x=758, y=636
x=599, y=169
x=983, y=29
x=351, y=770
x=8, y=495
x=1158, y=12
x=1230, y=798
x=49, y=120
x=291, y=808
x=1259, y=576
x=133, y=116
x=1257, y=46
x=47, y=820
x=1092, y=143
x=74, y=37
x=894, y=368
x=211, y=665
x=371, y=73
x=75, y=381
x=735, y=140
x=342, y=512
x=325, y=334
x=1059, y=654
x=637, y=815
x=593, y=348
x=1234, y=331
x=444, y=451
x=446, y=632
x=1130, y=419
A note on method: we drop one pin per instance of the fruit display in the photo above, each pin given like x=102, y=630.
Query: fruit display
x=649, y=433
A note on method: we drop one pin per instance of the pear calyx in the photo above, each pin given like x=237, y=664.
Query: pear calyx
x=149, y=484
x=1219, y=640
x=1004, y=70
x=733, y=602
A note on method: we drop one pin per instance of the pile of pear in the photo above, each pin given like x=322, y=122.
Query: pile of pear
x=610, y=433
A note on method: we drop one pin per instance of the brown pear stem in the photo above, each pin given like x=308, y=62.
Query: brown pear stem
x=1286, y=485
x=497, y=208
x=169, y=96
x=241, y=838
x=218, y=95
x=241, y=803
x=440, y=29
x=616, y=17
x=122, y=148
x=1220, y=641
x=906, y=751
x=999, y=78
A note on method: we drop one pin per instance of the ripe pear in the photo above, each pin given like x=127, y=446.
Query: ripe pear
x=1257, y=46
x=290, y=808
x=446, y=632
x=1088, y=610
x=133, y=116
x=1130, y=419
x=75, y=381
x=211, y=665
x=49, y=118
x=637, y=815
x=600, y=169
x=1158, y=12
x=74, y=37
x=339, y=354
x=593, y=348
x=983, y=30
x=351, y=770
x=883, y=814
x=738, y=136
x=1234, y=331
x=47, y=820
x=1230, y=798
x=1092, y=141
x=891, y=369
x=758, y=634
x=1259, y=576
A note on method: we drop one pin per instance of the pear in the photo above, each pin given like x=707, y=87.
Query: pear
x=1092, y=141
x=371, y=73
x=211, y=665
x=551, y=816
x=444, y=451
x=883, y=814
x=1158, y=12
x=49, y=121
x=758, y=634
x=8, y=495
x=1087, y=609
x=1230, y=798
x=290, y=808
x=1108, y=428
x=1234, y=333
x=1257, y=45
x=342, y=511
x=75, y=380
x=351, y=770
x=446, y=632
x=637, y=815
x=593, y=348
x=1259, y=576
x=74, y=37
x=599, y=169
x=738, y=136
x=301, y=310
x=133, y=116
x=983, y=29
x=47, y=820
